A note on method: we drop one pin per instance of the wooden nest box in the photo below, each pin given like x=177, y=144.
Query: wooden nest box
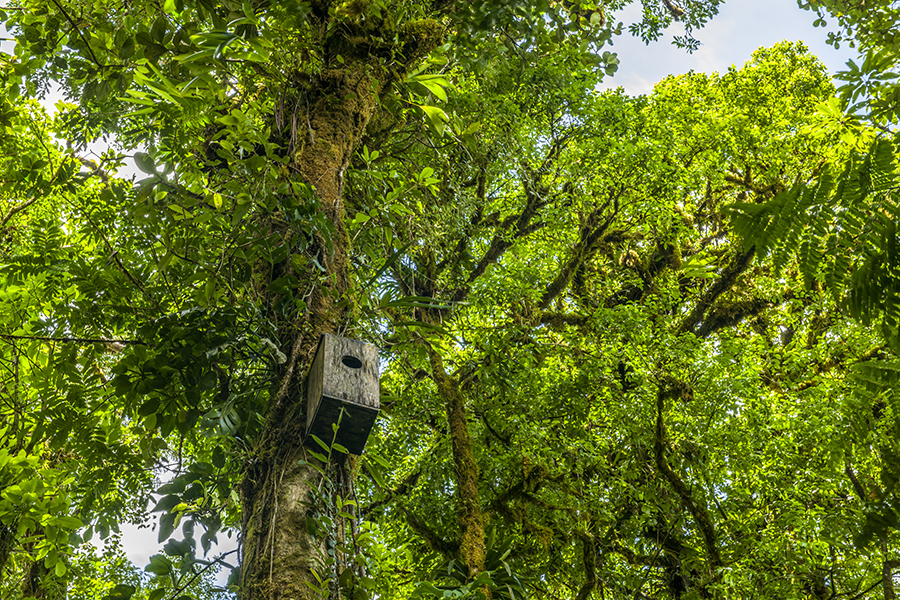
x=343, y=375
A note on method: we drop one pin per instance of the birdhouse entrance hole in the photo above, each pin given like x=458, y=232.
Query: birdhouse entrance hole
x=351, y=361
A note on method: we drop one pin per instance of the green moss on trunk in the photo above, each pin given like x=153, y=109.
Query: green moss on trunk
x=280, y=554
x=468, y=505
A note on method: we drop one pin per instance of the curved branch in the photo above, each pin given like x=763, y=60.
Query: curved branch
x=698, y=511
x=720, y=316
x=434, y=541
x=723, y=284
x=591, y=232
x=16, y=209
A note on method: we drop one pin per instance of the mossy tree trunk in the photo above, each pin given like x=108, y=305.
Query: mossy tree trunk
x=469, y=516
x=280, y=555
x=38, y=582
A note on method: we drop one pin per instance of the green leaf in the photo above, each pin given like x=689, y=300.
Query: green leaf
x=177, y=547
x=436, y=86
x=321, y=444
x=436, y=117
x=145, y=163
x=122, y=592
x=218, y=457
x=68, y=522
x=167, y=503
x=159, y=565
x=157, y=594
x=167, y=524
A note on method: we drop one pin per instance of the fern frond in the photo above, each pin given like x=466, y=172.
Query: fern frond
x=820, y=215
x=883, y=169
x=865, y=289
x=789, y=225
x=877, y=376
x=843, y=231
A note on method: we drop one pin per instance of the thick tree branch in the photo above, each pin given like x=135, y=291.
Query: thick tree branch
x=857, y=486
x=722, y=316
x=887, y=578
x=591, y=231
x=74, y=340
x=698, y=511
x=729, y=275
x=434, y=541
x=468, y=504
x=588, y=561
x=511, y=229
x=663, y=257
x=833, y=362
x=94, y=168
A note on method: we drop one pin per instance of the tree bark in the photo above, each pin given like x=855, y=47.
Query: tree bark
x=468, y=505
x=281, y=557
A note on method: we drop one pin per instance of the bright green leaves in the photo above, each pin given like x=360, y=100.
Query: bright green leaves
x=871, y=82
x=436, y=117
x=33, y=167
x=433, y=82
x=830, y=120
x=561, y=397
x=215, y=46
x=610, y=61
x=194, y=498
x=549, y=239
x=435, y=85
x=34, y=505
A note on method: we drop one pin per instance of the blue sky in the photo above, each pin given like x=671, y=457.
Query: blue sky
x=741, y=27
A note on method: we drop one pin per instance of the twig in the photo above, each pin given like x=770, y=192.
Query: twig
x=16, y=209
x=184, y=586
x=78, y=31
x=94, y=167
x=115, y=256
x=75, y=340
